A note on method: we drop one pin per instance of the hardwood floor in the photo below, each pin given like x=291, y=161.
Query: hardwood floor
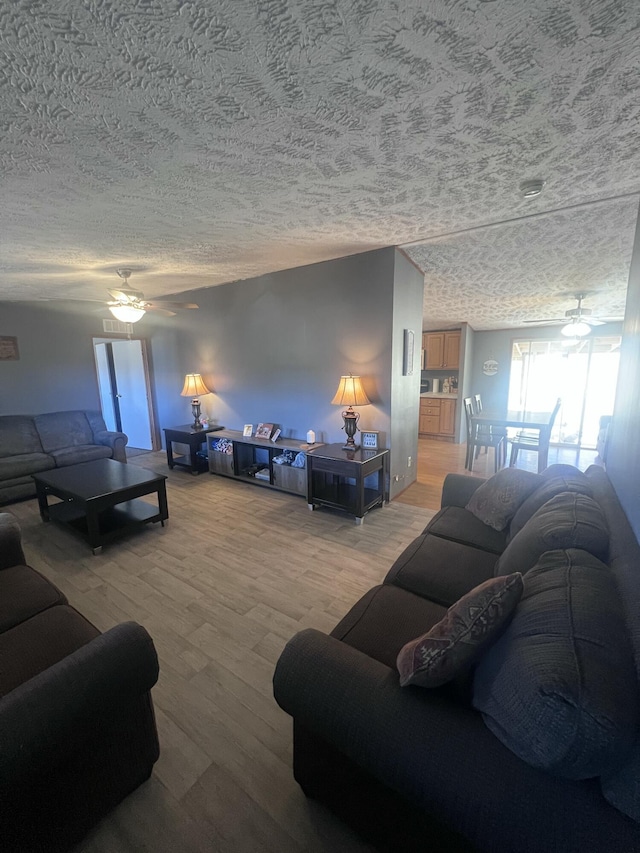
x=436, y=459
x=235, y=573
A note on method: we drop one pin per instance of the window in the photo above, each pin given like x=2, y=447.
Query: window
x=582, y=373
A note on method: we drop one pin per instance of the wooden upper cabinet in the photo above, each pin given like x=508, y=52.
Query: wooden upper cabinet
x=441, y=349
x=452, y=349
x=433, y=351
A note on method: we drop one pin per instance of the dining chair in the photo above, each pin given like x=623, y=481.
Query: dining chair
x=490, y=431
x=475, y=441
x=535, y=440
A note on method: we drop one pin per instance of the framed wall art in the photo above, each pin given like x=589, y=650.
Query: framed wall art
x=9, y=348
x=409, y=346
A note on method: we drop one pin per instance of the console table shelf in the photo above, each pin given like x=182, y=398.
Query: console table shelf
x=351, y=481
x=249, y=454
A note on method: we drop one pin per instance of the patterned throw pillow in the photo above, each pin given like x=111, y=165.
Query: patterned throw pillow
x=459, y=639
x=496, y=501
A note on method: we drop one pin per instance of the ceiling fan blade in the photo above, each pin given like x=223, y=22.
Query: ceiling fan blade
x=593, y=322
x=548, y=320
x=163, y=304
x=119, y=295
x=159, y=310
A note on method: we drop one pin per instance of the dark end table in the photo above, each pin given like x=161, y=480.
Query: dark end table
x=336, y=478
x=192, y=437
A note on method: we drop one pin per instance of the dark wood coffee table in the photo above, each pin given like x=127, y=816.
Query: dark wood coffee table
x=99, y=499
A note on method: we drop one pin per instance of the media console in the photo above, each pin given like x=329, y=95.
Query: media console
x=351, y=481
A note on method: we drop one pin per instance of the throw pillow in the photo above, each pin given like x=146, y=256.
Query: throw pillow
x=462, y=635
x=496, y=501
x=559, y=687
x=568, y=520
x=554, y=479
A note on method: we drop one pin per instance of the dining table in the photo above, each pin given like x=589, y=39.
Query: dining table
x=520, y=419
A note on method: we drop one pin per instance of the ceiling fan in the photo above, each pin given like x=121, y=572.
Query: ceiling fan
x=129, y=306
x=579, y=322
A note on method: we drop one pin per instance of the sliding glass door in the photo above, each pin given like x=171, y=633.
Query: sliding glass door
x=582, y=373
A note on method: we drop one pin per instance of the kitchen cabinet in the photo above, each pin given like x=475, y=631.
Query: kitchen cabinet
x=441, y=350
x=437, y=418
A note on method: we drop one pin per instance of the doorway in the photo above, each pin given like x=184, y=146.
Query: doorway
x=582, y=373
x=125, y=390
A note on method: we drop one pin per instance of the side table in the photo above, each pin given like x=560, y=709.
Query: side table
x=336, y=478
x=192, y=437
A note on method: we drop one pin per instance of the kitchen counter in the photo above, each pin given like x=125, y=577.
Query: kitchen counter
x=439, y=395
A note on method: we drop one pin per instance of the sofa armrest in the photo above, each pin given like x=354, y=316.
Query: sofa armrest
x=117, y=441
x=457, y=489
x=11, y=553
x=57, y=710
x=438, y=753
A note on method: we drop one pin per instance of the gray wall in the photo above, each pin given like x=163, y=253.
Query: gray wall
x=408, y=295
x=56, y=368
x=623, y=457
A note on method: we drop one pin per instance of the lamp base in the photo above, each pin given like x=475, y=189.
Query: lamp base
x=351, y=447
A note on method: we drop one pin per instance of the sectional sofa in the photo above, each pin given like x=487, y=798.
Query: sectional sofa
x=485, y=696
x=33, y=443
x=77, y=727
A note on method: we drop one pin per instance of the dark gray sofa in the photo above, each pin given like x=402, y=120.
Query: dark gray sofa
x=33, y=443
x=444, y=769
x=77, y=727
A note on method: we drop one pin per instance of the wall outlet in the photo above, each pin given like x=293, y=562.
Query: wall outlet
x=408, y=462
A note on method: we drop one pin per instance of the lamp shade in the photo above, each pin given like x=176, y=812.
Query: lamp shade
x=576, y=329
x=350, y=392
x=194, y=386
x=127, y=313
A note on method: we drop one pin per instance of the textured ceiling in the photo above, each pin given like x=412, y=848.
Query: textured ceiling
x=201, y=143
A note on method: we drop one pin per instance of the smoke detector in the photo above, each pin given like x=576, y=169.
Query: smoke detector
x=530, y=189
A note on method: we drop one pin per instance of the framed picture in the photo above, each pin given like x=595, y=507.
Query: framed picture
x=276, y=435
x=9, y=349
x=369, y=439
x=247, y=432
x=409, y=343
x=264, y=430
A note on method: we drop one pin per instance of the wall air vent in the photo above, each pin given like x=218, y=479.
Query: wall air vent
x=117, y=326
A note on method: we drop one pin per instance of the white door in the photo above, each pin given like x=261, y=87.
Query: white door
x=124, y=391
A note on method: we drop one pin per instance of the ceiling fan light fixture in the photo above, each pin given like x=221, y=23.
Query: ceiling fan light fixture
x=576, y=330
x=531, y=189
x=127, y=313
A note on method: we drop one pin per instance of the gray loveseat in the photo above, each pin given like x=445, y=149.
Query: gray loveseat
x=77, y=726
x=33, y=443
x=532, y=748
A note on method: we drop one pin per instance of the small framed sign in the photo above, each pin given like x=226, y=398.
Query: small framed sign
x=276, y=435
x=409, y=343
x=247, y=432
x=370, y=439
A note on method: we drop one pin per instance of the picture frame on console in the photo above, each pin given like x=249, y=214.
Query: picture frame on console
x=247, y=432
x=264, y=430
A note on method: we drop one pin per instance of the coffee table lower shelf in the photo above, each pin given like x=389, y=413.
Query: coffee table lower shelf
x=113, y=521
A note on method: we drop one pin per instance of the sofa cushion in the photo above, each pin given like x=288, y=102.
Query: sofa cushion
x=555, y=479
x=559, y=687
x=79, y=453
x=440, y=569
x=568, y=520
x=459, y=525
x=23, y=593
x=18, y=436
x=63, y=429
x=36, y=644
x=495, y=502
x=384, y=619
x=462, y=635
x=24, y=464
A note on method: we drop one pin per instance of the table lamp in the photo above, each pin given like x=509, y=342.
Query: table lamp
x=350, y=393
x=194, y=387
